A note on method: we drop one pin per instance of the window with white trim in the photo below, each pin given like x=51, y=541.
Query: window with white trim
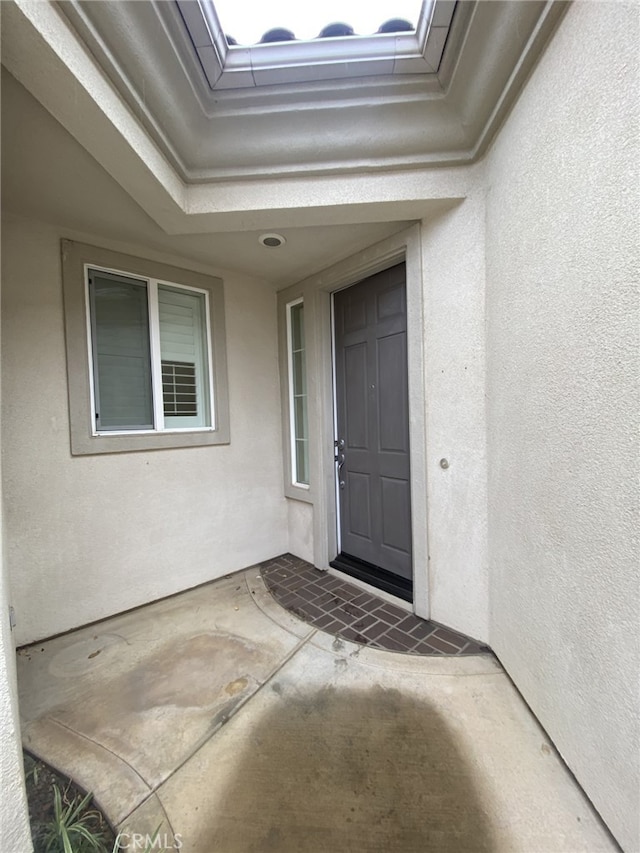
x=146, y=355
x=298, y=394
x=150, y=354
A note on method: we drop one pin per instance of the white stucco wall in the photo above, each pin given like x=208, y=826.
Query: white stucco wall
x=14, y=818
x=453, y=277
x=300, y=516
x=92, y=536
x=562, y=338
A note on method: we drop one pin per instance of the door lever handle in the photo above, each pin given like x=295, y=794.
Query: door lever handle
x=340, y=460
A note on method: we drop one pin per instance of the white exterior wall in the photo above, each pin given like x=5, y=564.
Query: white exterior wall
x=14, y=818
x=91, y=536
x=300, y=529
x=562, y=336
x=453, y=277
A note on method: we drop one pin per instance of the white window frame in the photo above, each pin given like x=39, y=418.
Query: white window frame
x=154, y=354
x=292, y=417
x=86, y=439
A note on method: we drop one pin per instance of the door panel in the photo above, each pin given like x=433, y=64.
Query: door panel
x=355, y=398
x=392, y=397
x=396, y=508
x=373, y=421
x=358, y=495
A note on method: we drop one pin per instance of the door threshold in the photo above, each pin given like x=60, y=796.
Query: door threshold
x=379, y=579
x=372, y=590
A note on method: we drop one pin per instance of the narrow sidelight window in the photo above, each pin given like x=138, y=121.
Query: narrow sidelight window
x=298, y=394
x=150, y=354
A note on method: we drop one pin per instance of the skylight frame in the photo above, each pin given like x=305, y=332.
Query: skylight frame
x=251, y=66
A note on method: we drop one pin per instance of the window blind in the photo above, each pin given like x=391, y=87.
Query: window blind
x=185, y=379
x=121, y=352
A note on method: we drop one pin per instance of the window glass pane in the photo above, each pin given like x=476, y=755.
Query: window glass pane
x=299, y=373
x=121, y=354
x=298, y=394
x=247, y=20
x=297, y=327
x=300, y=415
x=179, y=388
x=184, y=354
x=302, y=461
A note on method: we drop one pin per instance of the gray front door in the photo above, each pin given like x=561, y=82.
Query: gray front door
x=373, y=425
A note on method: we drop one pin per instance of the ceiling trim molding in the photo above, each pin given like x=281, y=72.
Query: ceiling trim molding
x=543, y=31
x=76, y=14
x=364, y=126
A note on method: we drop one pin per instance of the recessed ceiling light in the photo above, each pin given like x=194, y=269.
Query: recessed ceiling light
x=272, y=241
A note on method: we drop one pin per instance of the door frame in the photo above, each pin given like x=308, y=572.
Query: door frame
x=316, y=292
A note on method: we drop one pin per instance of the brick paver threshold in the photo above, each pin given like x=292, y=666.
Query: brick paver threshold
x=340, y=608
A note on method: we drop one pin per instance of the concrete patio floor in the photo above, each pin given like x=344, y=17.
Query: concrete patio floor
x=234, y=726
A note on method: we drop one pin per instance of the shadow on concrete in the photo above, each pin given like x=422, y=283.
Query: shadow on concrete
x=345, y=771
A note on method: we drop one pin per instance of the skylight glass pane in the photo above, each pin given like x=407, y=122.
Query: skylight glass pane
x=248, y=20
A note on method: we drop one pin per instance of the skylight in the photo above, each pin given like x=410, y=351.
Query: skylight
x=298, y=49
x=248, y=20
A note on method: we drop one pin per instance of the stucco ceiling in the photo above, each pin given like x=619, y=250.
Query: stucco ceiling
x=47, y=175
